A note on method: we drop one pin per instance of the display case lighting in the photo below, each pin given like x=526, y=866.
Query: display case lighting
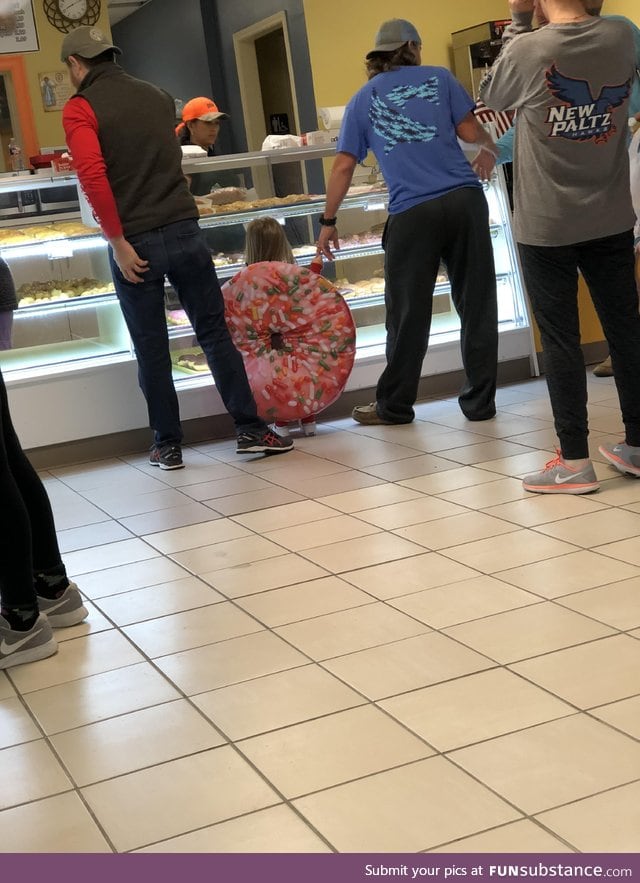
x=52, y=248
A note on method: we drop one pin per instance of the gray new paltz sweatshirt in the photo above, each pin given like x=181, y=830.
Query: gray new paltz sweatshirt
x=570, y=85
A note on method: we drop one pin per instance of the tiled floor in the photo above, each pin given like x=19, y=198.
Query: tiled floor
x=377, y=643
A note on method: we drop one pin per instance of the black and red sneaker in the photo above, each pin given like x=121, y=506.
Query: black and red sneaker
x=166, y=456
x=267, y=442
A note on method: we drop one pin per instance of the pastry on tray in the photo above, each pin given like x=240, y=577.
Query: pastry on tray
x=177, y=317
x=42, y=232
x=61, y=289
x=225, y=195
x=13, y=236
x=75, y=228
x=193, y=362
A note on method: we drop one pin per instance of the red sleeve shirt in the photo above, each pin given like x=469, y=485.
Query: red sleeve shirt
x=81, y=130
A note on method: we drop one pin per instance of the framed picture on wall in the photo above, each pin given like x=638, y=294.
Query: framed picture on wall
x=55, y=89
x=18, y=32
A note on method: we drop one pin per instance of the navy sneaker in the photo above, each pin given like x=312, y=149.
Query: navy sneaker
x=166, y=457
x=268, y=442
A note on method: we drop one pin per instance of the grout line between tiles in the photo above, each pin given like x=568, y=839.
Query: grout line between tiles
x=500, y=828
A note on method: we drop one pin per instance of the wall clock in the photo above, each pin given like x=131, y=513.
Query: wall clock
x=65, y=15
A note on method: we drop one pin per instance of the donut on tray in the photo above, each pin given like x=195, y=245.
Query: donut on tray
x=296, y=335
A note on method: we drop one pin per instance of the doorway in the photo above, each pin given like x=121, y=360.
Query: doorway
x=265, y=73
x=269, y=106
x=275, y=84
x=268, y=95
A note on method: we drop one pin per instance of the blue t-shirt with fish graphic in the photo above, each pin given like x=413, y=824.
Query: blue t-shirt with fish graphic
x=408, y=118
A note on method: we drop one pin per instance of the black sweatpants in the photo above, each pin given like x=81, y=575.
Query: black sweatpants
x=27, y=531
x=454, y=229
x=551, y=277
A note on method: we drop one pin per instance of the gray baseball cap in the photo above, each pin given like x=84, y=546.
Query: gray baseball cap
x=393, y=34
x=87, y=42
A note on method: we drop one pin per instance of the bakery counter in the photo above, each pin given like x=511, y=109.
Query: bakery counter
x=72, y=370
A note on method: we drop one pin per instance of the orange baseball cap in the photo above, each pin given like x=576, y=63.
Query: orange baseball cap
x=202, y=109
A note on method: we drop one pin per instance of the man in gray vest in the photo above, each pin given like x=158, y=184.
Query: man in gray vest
x=570, y=83
x=120, y=132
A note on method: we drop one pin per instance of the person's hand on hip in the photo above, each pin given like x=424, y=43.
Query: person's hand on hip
x=130, y=263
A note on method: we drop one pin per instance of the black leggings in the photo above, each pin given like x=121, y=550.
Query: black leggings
x=27, y=531
x=551, y=277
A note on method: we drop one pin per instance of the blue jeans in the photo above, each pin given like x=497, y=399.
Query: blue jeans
x=178, y=252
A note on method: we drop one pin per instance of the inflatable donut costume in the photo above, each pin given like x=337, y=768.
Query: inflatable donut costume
x=296, y=335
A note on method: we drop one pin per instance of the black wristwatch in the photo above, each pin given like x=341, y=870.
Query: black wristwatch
x=327, y=222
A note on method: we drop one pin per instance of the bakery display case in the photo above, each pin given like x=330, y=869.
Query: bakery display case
x=68, y=316
x=358, y=268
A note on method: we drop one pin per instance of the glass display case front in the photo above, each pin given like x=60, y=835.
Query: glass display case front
x=67, y=312
x=68, y=316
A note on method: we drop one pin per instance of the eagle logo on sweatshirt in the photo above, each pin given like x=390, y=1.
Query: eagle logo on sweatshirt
x=583, y=116
x=398, y=128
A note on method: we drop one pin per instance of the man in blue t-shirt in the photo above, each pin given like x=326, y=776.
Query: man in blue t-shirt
x=411, y=117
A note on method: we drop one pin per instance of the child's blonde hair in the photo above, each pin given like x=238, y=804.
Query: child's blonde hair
x=266, y=242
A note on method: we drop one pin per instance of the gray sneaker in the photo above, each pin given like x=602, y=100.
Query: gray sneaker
x=558, y=478
x=66, y=610
x=624, y=457
x=17, y=647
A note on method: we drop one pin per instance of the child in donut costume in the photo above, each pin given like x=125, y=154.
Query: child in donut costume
x=293, y=329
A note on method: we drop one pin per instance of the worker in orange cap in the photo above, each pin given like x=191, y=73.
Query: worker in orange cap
x=200, y=124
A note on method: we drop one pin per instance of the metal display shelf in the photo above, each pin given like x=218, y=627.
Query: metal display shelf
x=255, y=159
x=64, y=304
x=17, y=183
x=375, y=201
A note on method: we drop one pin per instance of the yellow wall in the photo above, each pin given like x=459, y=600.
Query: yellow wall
x=341, y=33
x=49, y=125
x=624, y=7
